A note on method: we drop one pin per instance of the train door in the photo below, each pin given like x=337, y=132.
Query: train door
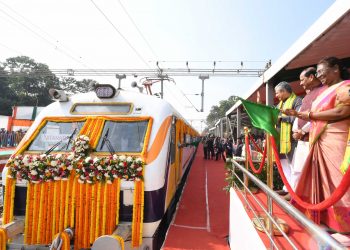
x=172, y=163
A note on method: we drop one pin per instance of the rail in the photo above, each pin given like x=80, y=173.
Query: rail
x=322, y=236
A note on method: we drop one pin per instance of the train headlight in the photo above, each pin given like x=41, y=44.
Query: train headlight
x=104, y=91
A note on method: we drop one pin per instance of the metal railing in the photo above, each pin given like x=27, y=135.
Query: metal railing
x=324, y=240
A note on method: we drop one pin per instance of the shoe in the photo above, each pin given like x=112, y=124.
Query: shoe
x=281, y=192
x=287, y=197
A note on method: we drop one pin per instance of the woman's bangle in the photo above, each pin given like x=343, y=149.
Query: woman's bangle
x=309, y=115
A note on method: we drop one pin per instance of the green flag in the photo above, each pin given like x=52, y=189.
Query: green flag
x=262, y=116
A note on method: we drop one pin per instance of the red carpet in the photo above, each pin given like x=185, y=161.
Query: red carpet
x=196, y=225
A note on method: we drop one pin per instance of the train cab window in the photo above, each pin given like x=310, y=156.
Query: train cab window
x=120, y=136
x=61, y=133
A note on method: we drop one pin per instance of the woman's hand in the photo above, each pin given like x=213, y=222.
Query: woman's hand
x=303, y=115
x=290, y=112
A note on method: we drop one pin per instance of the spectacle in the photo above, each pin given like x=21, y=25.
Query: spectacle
x=321, y=72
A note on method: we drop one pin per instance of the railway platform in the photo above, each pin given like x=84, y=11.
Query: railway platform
x=201, y=220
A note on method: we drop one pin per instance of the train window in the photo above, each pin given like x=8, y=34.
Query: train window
x=172, y=144
x=55, y=132
x=188, y=138
x=122, y=136
x=101, y=108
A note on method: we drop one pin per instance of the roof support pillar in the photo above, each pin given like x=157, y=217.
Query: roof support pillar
x=239, y=125
x=270, y=93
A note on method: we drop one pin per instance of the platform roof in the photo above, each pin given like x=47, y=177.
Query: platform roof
x=328, y=36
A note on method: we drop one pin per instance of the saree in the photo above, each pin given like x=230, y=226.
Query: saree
x=321, y=173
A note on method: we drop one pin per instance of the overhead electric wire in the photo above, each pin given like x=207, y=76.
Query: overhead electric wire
x=184, y=95
x=43, y=38
x=176, y=99
x=46, y=33
x=137, y=28
x=116, y=29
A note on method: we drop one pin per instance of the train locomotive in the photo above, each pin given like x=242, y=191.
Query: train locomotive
x=97, y=170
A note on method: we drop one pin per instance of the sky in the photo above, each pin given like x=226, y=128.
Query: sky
x=134, y=34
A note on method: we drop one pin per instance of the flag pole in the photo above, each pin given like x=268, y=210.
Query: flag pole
x=269, y=165
x=269, y=182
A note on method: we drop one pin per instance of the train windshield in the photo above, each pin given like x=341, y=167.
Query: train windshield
x=122, y=136
x=56, y=133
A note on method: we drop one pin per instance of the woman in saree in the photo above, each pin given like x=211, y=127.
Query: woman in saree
x=329, y=131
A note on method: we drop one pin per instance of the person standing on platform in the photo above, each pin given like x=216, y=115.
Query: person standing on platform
x=313, y=88
x=210, y=142
x=343, y=97
x=288, y=100
x=239, y=147
x=322, y=174
x=205, y=147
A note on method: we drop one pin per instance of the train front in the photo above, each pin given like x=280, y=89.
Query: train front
x=77, y=177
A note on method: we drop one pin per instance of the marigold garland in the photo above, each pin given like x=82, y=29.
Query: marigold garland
x=27, y=232
x=97, y=224
x=9, y=200
x=87, y=214
x=52, y=206
x=48, y=233
x=35, y=213
x=73, y=202
x=40, y=223
x=117, y=200
x=104, y=209
x=137, y=215
x=3, y=239
x=93, y=214
x=57, y=208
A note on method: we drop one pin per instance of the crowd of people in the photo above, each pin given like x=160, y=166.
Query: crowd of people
x=10, y=138
x=314, y=141
x=217, y=148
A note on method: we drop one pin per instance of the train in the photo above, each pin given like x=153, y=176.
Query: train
x=97, y=170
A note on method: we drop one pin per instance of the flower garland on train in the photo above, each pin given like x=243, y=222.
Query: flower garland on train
x=46, y=168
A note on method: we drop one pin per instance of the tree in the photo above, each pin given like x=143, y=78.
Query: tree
x=217, y=112
x=30, y=81
x=26, y=82
x=7, y=96
x=72, y=86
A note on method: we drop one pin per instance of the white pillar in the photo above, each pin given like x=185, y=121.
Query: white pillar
x=239, y=122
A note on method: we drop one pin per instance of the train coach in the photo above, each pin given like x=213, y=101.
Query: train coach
x=97, y=170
